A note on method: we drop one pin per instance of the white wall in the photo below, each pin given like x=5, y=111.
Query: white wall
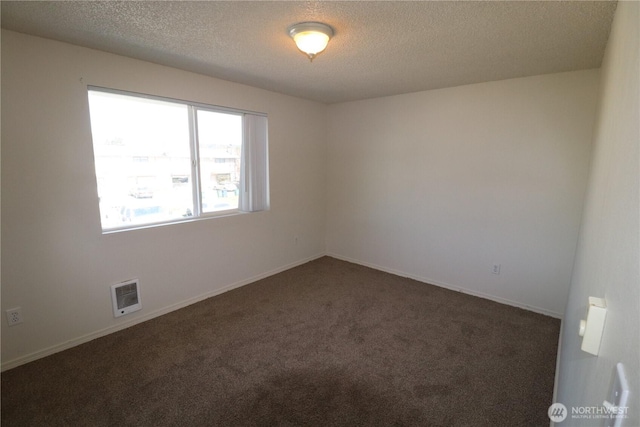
x=58, y=266
x=608, y=255
x=441, y=185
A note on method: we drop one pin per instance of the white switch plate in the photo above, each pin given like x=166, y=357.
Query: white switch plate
x=594, y=325
x=618, y=397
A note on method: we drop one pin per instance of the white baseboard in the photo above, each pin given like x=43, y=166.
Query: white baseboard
x=120, y=326
x=111, y=329
x=450, y=287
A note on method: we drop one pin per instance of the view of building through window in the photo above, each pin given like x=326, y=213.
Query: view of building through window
x=220, y=143
x=147, y=159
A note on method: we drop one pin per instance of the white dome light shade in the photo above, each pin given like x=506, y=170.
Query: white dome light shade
x=311, y=42
x=311, y=37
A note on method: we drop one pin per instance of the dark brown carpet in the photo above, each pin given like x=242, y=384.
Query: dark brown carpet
x=328, y=343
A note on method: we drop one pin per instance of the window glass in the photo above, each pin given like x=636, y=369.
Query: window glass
x=140, y=145
x=220, y=144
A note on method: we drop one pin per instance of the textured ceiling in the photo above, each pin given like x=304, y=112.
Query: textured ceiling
x=379, y=49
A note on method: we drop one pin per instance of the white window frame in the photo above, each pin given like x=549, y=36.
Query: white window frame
x=254, y=177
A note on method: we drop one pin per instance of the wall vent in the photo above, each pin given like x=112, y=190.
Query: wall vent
x=125, y=297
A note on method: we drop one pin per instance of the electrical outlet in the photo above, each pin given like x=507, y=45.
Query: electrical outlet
x=14, y=316
x=496, y=269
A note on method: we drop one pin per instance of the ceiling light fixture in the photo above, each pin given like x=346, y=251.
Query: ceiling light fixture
x=311, y=37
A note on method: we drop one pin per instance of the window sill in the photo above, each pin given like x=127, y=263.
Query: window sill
x=203, y=217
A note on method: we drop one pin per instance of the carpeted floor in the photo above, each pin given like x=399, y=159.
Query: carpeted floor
x=328, y=343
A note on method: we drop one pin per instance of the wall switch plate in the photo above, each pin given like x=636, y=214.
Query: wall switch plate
x=592, y=328
x=618, y=399
x=496, y=269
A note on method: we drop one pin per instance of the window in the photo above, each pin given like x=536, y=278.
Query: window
x=159, y=160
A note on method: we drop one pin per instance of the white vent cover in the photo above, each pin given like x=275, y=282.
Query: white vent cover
x=125, y=297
